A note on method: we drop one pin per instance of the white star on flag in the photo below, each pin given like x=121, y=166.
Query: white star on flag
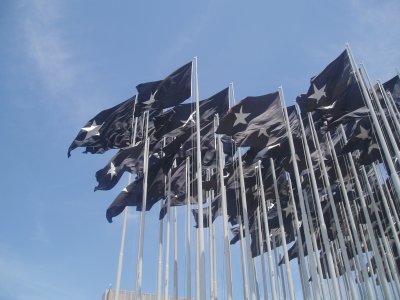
x=296, y=156
x=152, y=98
x=263, y=131
x=92, y=130
x=318, y=93
x=364, y=133
x=241, y=117
x=112, y=171
x=372, y=147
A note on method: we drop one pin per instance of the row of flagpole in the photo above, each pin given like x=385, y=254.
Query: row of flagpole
x=319, y=289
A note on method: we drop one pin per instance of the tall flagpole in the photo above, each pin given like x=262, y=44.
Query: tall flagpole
x=227, y=250
x=369, y=224
x=199, y=186
x=282, y=229
x=175, y=253
x=301, y=198
x=188, y=229
x=167, y=242
x=125, y=220
x=333, y=208
x=382, y=142
x=249, y=261
x=261, y=245
x=160, y=252
x=143, y=213
x=361, y=265
x=242, y=252
x=272, y=275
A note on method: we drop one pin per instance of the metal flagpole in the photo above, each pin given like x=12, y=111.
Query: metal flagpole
x=242, y=252
x=250, y=269
x=261, y=245
x=333, y=207
x=160, y=252
x=175, y=253
x=282, y=229
x=375, y=210
x=389, y=106
x=227, y=251
x=199, y=186
x=267, y=234
x=383, y=117
x=301, y=199
x=210, y=243
x=167, y=238
x=299, y=240
x=369, y=224
x=188, y=229
x=143, y=212
x=361, y=265
x=324, y=232
x=382, y=142
x=125, y=220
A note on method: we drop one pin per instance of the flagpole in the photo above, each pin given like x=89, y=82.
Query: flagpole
x=267, y=236
x=175, y=253
x=333, y=207
x=242, y=252
x=188, y=229
x=369, y=224
x=261, y=245
x=227, y=250
x=324, y=233
x=282, y=229
x=160, y=252
x=143, y=213
x=299, y=238
x=210, y=243
x=199, y=186
x=167, y=242
x=386, y=247
x=301, y=199
x=382, y=142
x=361, y=266
x=383, y=117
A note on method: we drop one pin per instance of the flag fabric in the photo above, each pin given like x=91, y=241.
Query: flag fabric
x=183, y=116
x=109, y=129
x=170, y=91
x=393, y=86
x=239, y=116
x=126, y=160
x=335, y=90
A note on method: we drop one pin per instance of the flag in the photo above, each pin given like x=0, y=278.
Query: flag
x=132, y=195
x=170, y=91
x=335, y=90
x=393, y=86
x=126, y=160
x=109, y=129
x=183, y=116
x=238, y=117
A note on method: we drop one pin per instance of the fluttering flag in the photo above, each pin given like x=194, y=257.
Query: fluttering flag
x=109, y=129
x=126, y=160
x=171, y=91
x=393, y=86
x=335, y=90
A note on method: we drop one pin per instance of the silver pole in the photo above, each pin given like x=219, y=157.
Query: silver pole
x=167, y=238
x=261, y=245
x=242, y=252
x=175, y=253
x=188, y=229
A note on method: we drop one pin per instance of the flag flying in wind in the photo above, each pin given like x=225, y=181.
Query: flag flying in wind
x=335, y=90
x=393, y=86
x=171, y=91
x=109, y=129
x=129, y=159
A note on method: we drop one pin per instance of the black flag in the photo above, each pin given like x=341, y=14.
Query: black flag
x=335, y=90
x=171, y=91
x=109, y=129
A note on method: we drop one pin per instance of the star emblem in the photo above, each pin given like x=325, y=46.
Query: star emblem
x=349, y=187
x=263, y=131
x=241, y=117
x=288, y=210
x=112, y=171
x=92, y=130
x=364, y=134
x=372, y=147
x=318, y=93
x=296, y=156
x=152, y=98
x=191, y=119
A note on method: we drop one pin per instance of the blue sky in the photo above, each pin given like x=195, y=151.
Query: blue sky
x=61, y=62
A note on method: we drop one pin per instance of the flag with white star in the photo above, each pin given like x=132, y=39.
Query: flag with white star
x=126, y=160
x=393, y=86
x=182, y=117
x=170, y=91
x=335, y=90
x=109, y=129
